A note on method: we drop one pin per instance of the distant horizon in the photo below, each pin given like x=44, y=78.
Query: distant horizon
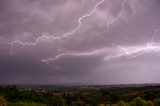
x=81, y=84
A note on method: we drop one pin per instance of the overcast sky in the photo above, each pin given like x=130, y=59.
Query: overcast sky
x=79, y=57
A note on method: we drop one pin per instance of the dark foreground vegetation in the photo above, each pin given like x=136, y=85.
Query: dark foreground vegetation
x=98, y=96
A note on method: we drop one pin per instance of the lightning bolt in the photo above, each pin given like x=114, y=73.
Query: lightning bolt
x=125, y=51
x=118, y=16
x=133, y=51
x=46, y=37
x=136, y=51
x=91, y=53
x=153, y=35
x=98, y=51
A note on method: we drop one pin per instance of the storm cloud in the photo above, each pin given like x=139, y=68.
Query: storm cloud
x=26, y=20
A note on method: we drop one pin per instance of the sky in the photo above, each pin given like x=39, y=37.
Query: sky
x=79, y=41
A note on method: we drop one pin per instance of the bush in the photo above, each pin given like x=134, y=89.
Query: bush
x=3, y=101
x=138, y=102
x=149, y=103
x=12, y=92
x=57, y=101
x=157, y=102
x=122, y=103
x=24, y=104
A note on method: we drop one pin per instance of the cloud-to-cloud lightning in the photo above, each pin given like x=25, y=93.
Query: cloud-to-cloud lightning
x=118, y=16
x=93, y=41
x=153, y=35
x=95, y=51
x=122, y=51
x=135, y=51
x=46, y=37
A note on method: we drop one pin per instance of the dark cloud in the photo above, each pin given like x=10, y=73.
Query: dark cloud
x=26, y=20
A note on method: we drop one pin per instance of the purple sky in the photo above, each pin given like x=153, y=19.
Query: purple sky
x=82, y=55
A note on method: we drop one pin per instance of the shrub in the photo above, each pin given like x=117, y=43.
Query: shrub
x=157, y=102
x=149, y=103
x=3, y=101
x=24, y=104
x=138, y=102
x=121, y=103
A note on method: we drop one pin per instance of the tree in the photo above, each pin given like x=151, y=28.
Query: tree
x=138, y=102
x=157, y=102
x=69, y=99
x=132, y=104
x=79, y=102
x=57, y=101
x=114, y=97
x=122, y=103
x=3, y=101
x=114, y=105
x=11, y=92
x=149, y=103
